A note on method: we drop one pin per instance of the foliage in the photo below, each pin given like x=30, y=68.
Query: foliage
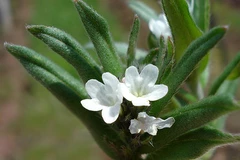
x=176, y=59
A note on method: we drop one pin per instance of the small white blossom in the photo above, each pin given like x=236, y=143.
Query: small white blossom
x=141, y=88
x=149, y=124
x=191, y=6
x=160, y=27
x=105, y=97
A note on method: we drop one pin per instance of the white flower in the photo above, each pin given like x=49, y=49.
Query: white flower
x=141, y=88
x=149, y=124
x=191, y=6
x=160, y=27
x=105, y=97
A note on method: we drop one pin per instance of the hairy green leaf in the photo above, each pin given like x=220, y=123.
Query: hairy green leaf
x=184, y=31
x=229, y=86
x=97, y=29
x=54, y=79
x=183, y=28
x=201, y=14
x=151, y=56
x=23, y=53
x=133, y=41
x=194, y=53
x=68, y=48
x=194, y=144
x=192, y=117
x=226, y=72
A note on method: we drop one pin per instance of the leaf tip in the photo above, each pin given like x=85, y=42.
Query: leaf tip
x=136, y=16
x=226, y=27
x=76, y=1
x=32, y=28
x=6, y=44
x=28, y=26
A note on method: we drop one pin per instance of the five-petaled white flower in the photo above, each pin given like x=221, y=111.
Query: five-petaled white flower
x=149, y=124
x=105, y=97
x=141, y=88
x=160, y=27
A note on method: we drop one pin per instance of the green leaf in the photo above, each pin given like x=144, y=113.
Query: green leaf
x=184, y=31
x=21, y=52
x=145, y=12
x=194, y=144
x=192, y=117
x=226, y=72
x=122, y=51
x=151, y=56
x=51, y=77
x=183, y=28
x=97, y=29
x=235, y=73
x=201, y=14
x=133, y=40
x=69, y=49
x=229, y=86
x=194, y=53
x=162, y=53
x=166, y=58
x=152, y=41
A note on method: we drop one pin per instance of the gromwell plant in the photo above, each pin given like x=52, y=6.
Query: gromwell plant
x=155, y=109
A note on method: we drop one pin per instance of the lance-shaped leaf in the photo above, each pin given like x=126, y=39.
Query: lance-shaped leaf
x=226, y=72
x=229, y=86
x=133, y=41
x=201, y=14
x=184, y=31
x=194, y=144
x=68, y=48
x=21, y=52
x=183, y=28
x=167, y=59
x=195, y=52
x=151, y=57
x=145, y=12
x=39, y=68
x=122, y=51
x=97, y=29
x=192, y=117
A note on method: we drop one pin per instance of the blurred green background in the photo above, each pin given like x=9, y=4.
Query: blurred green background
x=33, y=124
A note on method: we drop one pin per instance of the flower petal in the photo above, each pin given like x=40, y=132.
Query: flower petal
x=110, y=80
x=110, y=114
x=145, y=118
x=126, y=92
x=149, y=75
x=131, y=75
x=134, y=126
x=165, y=123
x=93, y=86
x=156, y=27
x=157, y=92
x=149, y=124
x=151, y=130
x=140, y=101
x=162, y=17
x=92, y=104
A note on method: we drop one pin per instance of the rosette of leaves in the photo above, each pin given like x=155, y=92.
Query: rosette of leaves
x=193, y=132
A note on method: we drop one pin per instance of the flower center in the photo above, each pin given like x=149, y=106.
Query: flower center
x=139, y=88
